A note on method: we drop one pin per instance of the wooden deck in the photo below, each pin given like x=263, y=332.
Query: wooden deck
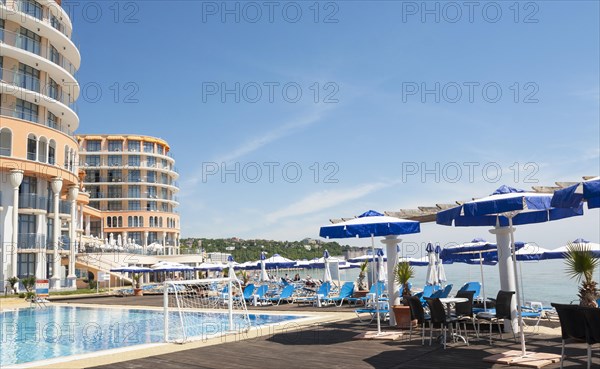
x=331, y=345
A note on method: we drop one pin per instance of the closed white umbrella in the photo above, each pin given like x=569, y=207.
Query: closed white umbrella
x=327, y=274
x=439, y=266
x=381, y=272
x=264, y=277
x=432, y=277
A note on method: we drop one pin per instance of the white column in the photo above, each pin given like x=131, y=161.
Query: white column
x=145, y=241
x=16, y=177
x=507, y=275
x=56, y=185
x=87, y=225
x=164, y=243
x=40, y=247
x=391, y=250
x=73, y=192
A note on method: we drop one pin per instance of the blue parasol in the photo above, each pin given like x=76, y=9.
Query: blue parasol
x=372, y=224
x=504, y=208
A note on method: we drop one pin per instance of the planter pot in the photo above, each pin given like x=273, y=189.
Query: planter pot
x=402, y=315
x=138, y=292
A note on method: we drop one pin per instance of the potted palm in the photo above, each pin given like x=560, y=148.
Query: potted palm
x=403, y=272
x=361, y=285
x=580, y=266
x=137, y=289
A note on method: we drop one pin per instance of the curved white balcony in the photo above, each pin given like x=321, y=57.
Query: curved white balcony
x=56, y=31
x=69, y=119
x=31, y=52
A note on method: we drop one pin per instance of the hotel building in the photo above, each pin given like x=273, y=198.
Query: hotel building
x=40, y=198
x=131, y=179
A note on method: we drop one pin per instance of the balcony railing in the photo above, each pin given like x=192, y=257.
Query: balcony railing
x=36, y=47
x=43, y=15
x=33, y=83
x=31, y=241
x=33, y=118
x=64, y=207
x=32, y=201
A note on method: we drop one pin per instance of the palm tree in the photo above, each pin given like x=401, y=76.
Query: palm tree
x=403, y=272
x=361, y=276
x=581, y=264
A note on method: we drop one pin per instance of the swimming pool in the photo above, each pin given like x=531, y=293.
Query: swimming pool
x=28, y=335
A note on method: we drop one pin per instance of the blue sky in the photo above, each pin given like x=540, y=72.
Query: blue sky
x=388, y=93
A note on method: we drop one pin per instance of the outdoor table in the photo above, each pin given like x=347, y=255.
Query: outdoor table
x=449, y=302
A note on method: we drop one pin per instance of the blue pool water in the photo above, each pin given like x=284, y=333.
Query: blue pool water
x=28, y=335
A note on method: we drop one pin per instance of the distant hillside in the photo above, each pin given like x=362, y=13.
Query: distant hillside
x=249, y=250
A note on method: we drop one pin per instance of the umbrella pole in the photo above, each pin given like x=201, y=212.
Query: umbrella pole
x=482, y=282
x=376, y=285
x=514, y=259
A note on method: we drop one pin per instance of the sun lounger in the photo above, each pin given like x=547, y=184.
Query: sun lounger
x=345, y=293
x=286, y=295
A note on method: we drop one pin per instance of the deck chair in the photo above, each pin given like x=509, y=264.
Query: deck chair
x=572, y=326
x=345, y=293
x=259, y=293
x=248, y=291
x=440, y=294
x=323, y=290
x=285, y=295
x=375, y=287
x=502, y=311
x=472, y=286
x=592, y=337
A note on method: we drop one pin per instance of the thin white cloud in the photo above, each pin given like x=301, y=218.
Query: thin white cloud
x=323, y=200
x=255, y=143
x=284, y=130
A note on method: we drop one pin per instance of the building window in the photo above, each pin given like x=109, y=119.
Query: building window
x=5, y=142
x=92, y=160
x=134, y=176
x=133, y=146
x=29, y=78
x=25, y=265
x=27, y=111
x=114, y=161
x=160, y=149
x=31, y=7
x=148, y=147
x=53, y=90
x=115, y=206
x=52, y=121
x=93, y=145
x=109, y=222
x=135, y=205
x=54, y=22
x=136, y=237
x=31, y=147
x=43, y=150
x=52, y=152
x=150, y=161
x=134, y=192
x=151, y=177
x=95, y=227
x=115, y=145
x=134, y=161
x=114, y=192
x=151, y=190
x=54, y=55
x=115, y=176
x=29, y=41
x=151, y=206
